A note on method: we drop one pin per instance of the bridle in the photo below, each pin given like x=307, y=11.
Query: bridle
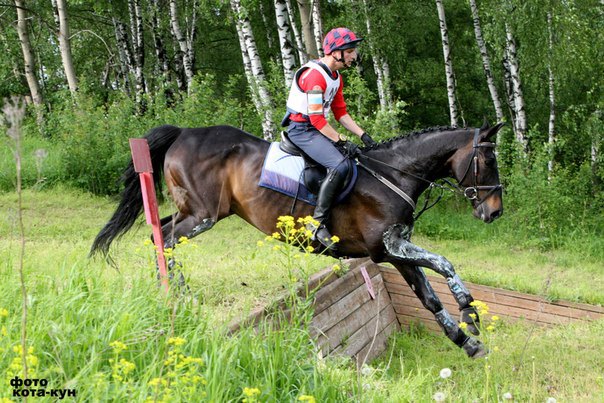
x=469, y=192
x=472, y=192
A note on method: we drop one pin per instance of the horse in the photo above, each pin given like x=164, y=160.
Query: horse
x=213, y=172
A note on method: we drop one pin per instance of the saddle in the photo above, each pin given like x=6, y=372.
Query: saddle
x=314, y=173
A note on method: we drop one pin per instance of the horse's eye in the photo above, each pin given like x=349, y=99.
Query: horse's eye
x=490, y=162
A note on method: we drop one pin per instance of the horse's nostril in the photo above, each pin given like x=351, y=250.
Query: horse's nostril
x=496, y=214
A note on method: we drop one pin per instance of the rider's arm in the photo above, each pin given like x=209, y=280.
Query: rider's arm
x=351, y=125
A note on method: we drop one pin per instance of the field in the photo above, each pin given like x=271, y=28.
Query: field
x=110, y=335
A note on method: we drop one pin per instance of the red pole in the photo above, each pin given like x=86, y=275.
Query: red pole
x=142, y=165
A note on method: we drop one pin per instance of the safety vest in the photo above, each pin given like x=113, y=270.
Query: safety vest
x=297, y=102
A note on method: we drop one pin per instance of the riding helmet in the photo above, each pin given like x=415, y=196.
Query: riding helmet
x=340, y=39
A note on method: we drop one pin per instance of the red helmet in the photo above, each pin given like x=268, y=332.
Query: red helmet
x=340, y=39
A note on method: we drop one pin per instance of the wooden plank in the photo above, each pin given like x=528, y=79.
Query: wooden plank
x=334, y=313
x=408, y=303
x=330, y=294
x=364, y=335
x=504, y=303
x=333, y=337
x=392, y=276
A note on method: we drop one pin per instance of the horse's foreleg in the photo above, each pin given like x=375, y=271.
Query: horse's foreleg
x=420, y=285
x=398, y=244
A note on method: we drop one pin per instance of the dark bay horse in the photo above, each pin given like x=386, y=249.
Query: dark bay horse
x=213, y=172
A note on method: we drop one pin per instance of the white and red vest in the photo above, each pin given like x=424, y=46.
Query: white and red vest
x=297, y=102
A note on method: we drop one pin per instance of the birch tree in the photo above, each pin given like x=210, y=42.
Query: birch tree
x=551, y=131
x=162, y=67
x=302, y=55
x=486, y=64
x=380, y=66
x=287, y=53
x=451, y=90
x=28, y=55
x=138, y=49
x=184, y=43
x=253, y=68
x=515, y=87
x=317, y=27
x=125, y=56
x=62, y=23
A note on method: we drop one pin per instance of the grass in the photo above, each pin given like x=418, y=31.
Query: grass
x=78, y=307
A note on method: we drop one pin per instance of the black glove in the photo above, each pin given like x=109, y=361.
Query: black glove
x=350, y=149
x=367, y=140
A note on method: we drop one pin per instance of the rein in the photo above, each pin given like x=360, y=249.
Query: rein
x=469, y=192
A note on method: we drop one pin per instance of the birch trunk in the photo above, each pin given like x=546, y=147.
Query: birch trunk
x=256, y=79
x=125, y=56
x=307, y=33
x=317, y=26
x=551, y=138
x=161, y=56
x=28, y=55
x=302, y=56
x=381, y=68
x=287, y=53
x=516, y=88
x=64, y=44
x=486, y=64
x=451, y=91
x=185, y=52
x=138, y=50
x=267, y=30
x=507, y=80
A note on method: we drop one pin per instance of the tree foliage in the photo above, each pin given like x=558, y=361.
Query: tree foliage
x=91, y=129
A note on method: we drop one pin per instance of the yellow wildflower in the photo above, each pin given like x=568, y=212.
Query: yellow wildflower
x=260, y=244
x=251, y=391
x=176, y=341
x=276, y=235
x=335, y=239
x=463, y=325
x=3, y=312
x=495, y=318
x=307, y=398
x=118, y=346
x=183, y=240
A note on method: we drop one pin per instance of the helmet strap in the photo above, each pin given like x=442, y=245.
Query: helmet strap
x=341, y=59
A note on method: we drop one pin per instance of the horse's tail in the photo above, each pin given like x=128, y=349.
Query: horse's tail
x=131, y=200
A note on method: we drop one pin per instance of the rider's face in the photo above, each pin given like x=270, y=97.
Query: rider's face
x=349, y=56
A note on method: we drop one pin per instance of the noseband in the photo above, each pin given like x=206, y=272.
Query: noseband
x=472, y=192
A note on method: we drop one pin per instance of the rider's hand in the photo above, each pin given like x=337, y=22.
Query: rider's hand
x=350, y=149
x=367, y=140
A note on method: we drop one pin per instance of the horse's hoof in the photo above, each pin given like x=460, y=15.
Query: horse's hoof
x=472, y=322
x=474, y=348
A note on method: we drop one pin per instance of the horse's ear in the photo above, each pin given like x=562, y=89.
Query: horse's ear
x=487, y=133
x=485, y=124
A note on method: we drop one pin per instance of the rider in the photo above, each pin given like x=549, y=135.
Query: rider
x=317, y=89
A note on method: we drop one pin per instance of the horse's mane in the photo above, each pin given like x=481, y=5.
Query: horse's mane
x=410, y=136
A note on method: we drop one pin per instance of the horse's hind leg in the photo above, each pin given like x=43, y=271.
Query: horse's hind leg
x=418, y=282
x=397, y=243
x=174, y=228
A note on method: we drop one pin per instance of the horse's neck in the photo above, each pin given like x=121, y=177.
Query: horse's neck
x=424, y=155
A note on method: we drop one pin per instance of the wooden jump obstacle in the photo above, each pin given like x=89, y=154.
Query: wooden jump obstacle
x=355, y=314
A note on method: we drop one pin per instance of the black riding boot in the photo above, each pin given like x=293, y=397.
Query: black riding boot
x=330, y=187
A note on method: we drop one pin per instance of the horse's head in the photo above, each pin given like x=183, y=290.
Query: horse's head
x=475, y=168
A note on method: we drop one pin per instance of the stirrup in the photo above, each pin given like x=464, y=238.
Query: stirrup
x=322, y=234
